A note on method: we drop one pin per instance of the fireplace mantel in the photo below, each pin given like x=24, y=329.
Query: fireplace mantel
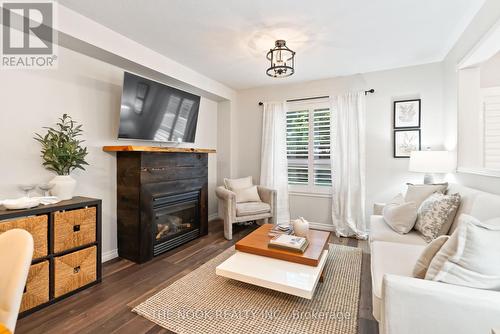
x=133, y=148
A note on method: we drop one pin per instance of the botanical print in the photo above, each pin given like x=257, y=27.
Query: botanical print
x=407, y=114
x=405, y=142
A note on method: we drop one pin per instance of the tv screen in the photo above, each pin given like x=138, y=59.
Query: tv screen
x=157, y=112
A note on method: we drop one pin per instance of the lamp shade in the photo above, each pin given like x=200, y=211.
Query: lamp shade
x=431, y=162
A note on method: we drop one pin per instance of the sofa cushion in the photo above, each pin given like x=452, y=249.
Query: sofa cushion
x=252, y=208
x=419, y=192
x=399, y=215
x=427, y=255
x=470, y=256
x=479, y=204
x=380, y=231
x=436, y=215
x=391, y=258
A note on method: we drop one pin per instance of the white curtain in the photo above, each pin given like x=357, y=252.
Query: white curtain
x=348, y=165
x=274, y=164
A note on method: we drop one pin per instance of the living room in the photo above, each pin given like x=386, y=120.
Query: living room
x=294, y=118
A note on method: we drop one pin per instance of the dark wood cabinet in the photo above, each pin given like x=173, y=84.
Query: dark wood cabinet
x=161, y=201
x=67, y=249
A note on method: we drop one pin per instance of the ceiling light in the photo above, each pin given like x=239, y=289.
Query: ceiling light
x=282, y=60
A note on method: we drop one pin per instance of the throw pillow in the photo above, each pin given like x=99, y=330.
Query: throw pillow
x=400, y=216
x=242, y=183
x=436, y=215
x=247, y=195
x=419, y=192
x=470, y=256
x=427, y=255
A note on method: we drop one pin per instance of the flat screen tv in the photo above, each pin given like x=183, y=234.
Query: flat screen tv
x=156, y=112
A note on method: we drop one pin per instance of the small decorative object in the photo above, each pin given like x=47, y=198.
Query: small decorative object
x=21, y=203
x=45, y=187
x=407, y=114
x=301, y=227
x=62, y=152
x=406, y=141
x=282, y=60
x=27, y=188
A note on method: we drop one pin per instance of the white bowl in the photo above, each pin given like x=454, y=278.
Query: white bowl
x=21, y=203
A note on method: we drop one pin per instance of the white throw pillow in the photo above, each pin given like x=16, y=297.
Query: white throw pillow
x=242, y=183
x=436, y=214
x=247, y=195
x=471, y=257
x=419, y=192
x=400, y=216
x=427, y=255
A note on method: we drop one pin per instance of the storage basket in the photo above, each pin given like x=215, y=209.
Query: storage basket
x=74, y=228
x=36, y=291
x=37, y=226
x=74, y=270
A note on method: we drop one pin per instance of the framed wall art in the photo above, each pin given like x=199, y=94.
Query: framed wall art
x=406, y=141
x=407, y=114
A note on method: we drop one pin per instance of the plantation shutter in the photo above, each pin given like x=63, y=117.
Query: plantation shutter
x=321, y=133
x=297, y=142
x=491, y=116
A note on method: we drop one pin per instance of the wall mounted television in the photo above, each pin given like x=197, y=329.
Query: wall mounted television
x=157, y=112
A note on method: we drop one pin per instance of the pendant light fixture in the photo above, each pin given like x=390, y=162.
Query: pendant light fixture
x=282, y=60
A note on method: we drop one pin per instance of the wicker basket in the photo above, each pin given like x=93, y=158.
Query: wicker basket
x=37, y=286
x=37, y=226
x=74, y=270
x=74, y=228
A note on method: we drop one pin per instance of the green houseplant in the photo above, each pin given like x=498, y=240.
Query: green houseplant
x=62, y=152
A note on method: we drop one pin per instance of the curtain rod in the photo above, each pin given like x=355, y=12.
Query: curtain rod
x=319, y=97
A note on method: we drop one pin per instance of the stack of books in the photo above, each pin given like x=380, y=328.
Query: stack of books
x=289, y=242
x=281, y=229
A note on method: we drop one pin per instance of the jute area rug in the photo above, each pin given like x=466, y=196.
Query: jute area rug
x=202, y=302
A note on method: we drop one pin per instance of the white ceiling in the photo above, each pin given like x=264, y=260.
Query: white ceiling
x=227, y=39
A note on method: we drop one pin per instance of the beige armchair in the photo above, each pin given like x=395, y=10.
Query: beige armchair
x=16, y=250
x=234, y=212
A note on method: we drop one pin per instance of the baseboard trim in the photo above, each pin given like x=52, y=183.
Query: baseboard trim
x=323, y=227
x=213, y=216
x=109, y=255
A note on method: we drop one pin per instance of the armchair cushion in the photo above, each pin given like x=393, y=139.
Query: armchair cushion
x=252, y=208
x=242, y=183
x=247, y=195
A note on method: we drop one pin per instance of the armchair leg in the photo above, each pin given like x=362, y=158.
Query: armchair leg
x=228, y=230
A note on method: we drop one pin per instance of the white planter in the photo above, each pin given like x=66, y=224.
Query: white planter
x=64, y=187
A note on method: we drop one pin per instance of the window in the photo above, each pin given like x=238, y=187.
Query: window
x=479, y=118
x=308, y=147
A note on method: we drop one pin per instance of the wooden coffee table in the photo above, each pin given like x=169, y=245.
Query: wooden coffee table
x=293, y=273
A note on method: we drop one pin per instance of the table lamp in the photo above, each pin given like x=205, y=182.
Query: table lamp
x=431, y=162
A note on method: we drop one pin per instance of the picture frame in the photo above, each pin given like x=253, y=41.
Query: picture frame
x=407, y=114
x=406, y=141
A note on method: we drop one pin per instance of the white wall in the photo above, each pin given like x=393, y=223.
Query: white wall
x=486, y=18
x=385, y=175
x=89, y=90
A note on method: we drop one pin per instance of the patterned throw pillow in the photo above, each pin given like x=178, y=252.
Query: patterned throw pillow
x=436, y=214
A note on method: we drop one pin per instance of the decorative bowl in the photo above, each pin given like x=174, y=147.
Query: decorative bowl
x=20, y=203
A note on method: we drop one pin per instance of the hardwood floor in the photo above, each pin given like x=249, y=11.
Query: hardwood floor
x=106, y=308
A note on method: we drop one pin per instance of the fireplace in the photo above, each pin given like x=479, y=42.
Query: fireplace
x=176, y=220
x=162, y=201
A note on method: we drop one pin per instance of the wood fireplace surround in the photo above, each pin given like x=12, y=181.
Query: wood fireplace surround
x=161, y=198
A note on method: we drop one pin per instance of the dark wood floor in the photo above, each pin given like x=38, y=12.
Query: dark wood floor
x=106, y=308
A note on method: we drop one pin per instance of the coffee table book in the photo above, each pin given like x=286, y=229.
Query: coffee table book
x=257, y=243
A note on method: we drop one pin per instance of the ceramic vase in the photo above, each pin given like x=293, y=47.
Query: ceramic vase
x=64, y=187
x=301, y=227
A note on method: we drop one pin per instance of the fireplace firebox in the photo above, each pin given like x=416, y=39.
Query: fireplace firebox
x=176, y=220
x=161, y=201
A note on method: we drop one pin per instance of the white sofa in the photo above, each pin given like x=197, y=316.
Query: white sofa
x=403, y=304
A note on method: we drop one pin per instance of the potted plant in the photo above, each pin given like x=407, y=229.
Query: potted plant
x=62, y=152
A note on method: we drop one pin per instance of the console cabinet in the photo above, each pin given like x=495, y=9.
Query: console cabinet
x=67, y=249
